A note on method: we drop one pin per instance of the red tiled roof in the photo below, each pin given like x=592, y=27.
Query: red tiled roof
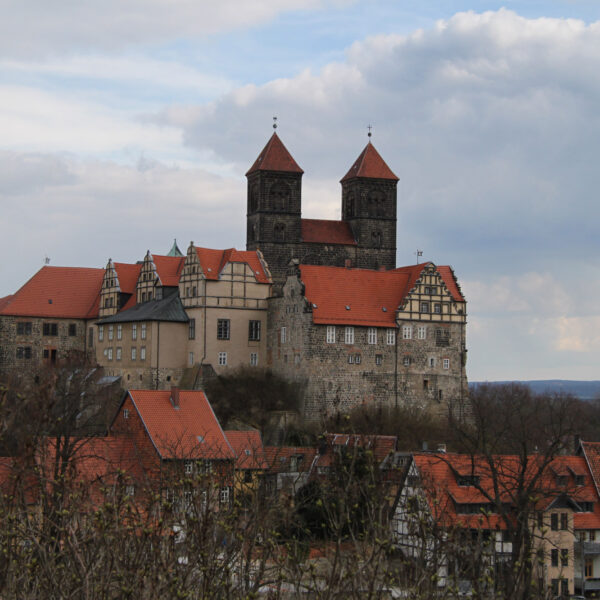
x=58, y=292
x=4, y=301
x=327, y=232
x=370, y=164
x=380, y=445
x=168, y=268
x=591, y=452
x=278, y=457
x=214, y=261
x=275, y=157
x=128, y=275
x=450, y=280
x=248, y=449
x=189, y=431
x=365, y=292
x=438, y=475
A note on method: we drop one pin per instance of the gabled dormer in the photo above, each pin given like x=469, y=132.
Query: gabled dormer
x=435, y=296
x=192, y=280
x=148, y=279
x=110, y=292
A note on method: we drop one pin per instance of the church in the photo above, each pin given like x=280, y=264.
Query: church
x=320, y=302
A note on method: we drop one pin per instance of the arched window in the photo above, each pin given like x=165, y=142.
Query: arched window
x=279, y=232
x=280, y=196
x=377, y=239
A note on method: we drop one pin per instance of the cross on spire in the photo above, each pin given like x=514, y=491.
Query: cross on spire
x=274, y=122
x=369, y=127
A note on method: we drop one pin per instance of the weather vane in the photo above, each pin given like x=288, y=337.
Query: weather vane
x=274, y=122
x=419, y=253
x=369, y=127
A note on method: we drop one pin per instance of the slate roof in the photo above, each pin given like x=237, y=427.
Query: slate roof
x=439, y=472
x=327, y=232
x=190, y=430
x=275, y=157
x=214, y=261
x=248, y=449
x=359, y=296
x=58, y=292
x=370, y=164
x=168, y=309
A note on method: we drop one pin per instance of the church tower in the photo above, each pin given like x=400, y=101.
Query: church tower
x=369, y=200
x=274, y=206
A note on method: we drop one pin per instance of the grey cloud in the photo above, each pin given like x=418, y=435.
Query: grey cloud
x=25, y=173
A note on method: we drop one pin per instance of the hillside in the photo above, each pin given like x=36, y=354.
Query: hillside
x=584, y=390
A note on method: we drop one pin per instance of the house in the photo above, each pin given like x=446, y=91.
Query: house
x=178, y=439
x=49, y=319
x=289, y=469
x=455, y=514
x=353, y=337
x=250, y=460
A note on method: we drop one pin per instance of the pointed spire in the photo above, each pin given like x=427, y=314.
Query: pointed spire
x=275, y=157
x=174, y=251
x=370, y=164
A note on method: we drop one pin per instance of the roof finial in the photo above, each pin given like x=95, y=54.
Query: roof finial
x=419, y=253
x=369, y=127
x=274, y=122
x=47, y=260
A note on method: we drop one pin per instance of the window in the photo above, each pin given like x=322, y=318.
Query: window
x=24, y=352
x=134, y=331
x=331, y=334
x=350, y=359
x=253, y=331
x=579, y=479
x=72, y=329
x=592, y=535
x=283, y=335
x=564, y=557
x=224, y=495
x=561, y=480
x=437, y=308
x=422, y=333
x=390, y=338
x=109, y=353
x=406, y=332
x=110, y=332
x=424, y=307
x=564, y=588
x=126, y=413
x=349, y=335
x=192, y=329
x=589, y=567
x=24, y=328
x=191, y=358
x=442, y=337
x=130, y=490
x=253, y=359
x=446, y=363
x=143, y=333
x=406, y=361
x=554, y=557
x=143, y=353
x=372, y=335
x=223, y=329
x=564, y=521
x=188, y=467
x=379, y=359
x=133, y=353
x=222, y=359
x=554, y=521
x=119, y=332
x=467, y=480
x=194, y=291
x=431, y=361
x=554, y=584
x=357, y=359
x=119, y=353
x=100, y=333
x=50, y=329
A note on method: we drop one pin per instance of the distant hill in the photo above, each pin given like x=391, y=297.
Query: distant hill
x=584, y=390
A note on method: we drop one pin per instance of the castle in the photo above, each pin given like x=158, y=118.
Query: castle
x=320, y=302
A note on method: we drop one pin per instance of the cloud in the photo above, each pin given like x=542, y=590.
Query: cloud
x=38, y=27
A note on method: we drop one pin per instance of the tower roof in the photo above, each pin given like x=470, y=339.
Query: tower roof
x=275, y=157
x=174, y=251
x=370, y=164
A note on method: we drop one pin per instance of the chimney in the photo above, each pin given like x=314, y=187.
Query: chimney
x=175, y=396
x=348, y=263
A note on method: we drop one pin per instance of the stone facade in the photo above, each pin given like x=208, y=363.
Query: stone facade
x=418, y=360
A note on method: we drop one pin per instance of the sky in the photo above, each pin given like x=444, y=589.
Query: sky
x=128, y=123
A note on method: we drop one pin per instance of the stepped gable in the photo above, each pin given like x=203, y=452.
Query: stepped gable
x=213, y=261
x=275, y=157
x=320, y=231
x=370, y=164
x=168, y=269
x=58, y=292
x=181, y=427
